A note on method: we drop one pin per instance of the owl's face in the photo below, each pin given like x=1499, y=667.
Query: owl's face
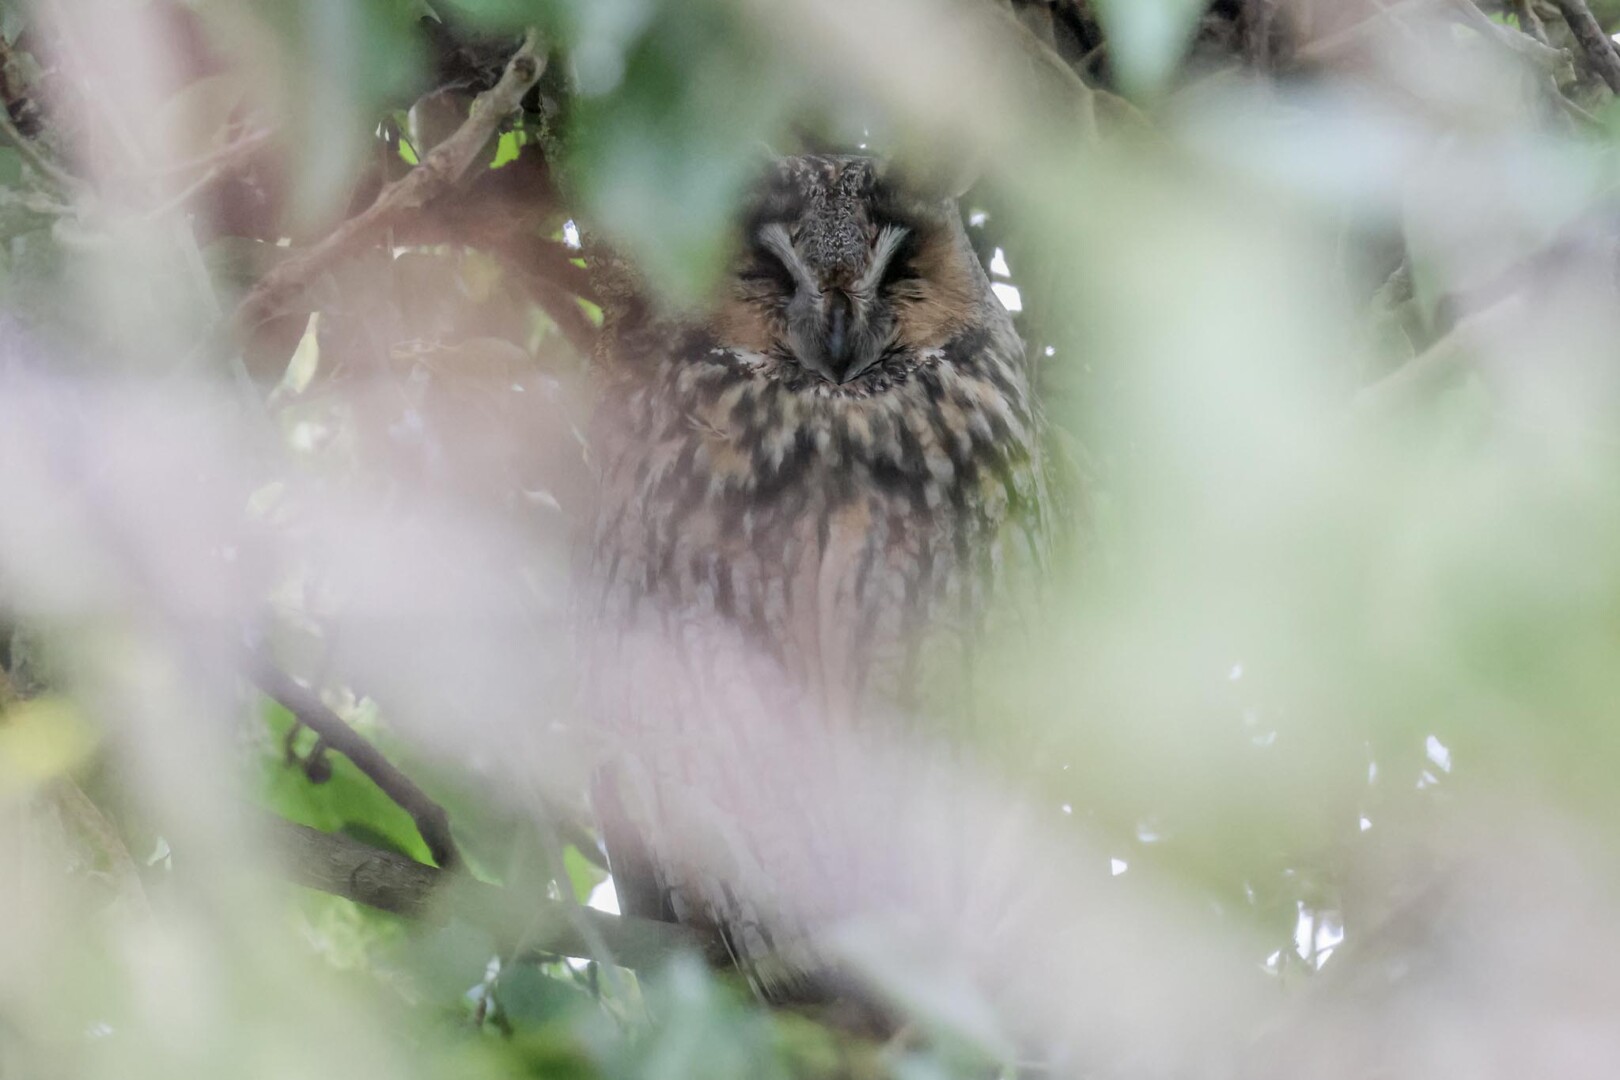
x=841, y=267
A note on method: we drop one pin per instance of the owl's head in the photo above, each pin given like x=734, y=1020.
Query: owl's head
x=843, y=264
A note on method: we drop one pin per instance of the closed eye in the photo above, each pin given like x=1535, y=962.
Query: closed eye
x=765, y=269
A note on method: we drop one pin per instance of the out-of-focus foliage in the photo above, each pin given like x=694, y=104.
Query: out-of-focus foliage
x=1312, y=743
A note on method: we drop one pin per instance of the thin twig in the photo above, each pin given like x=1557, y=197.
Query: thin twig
x=1529, y=21
x=228, y=152
x=596, y=944
x=214, y=167
x=444, y=165
x=34, y=202
x=1323, y=48
x=1516, y=41
x=1595, y=44
x=392, y=882
x=307, y=707
x=48, y=170
x=1578, y=114
x=82, y=811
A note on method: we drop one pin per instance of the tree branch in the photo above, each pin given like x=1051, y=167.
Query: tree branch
x=438, y=172
x=1600, y=51
x=1520, y=41
x=307, y=707
x=558, y=302
x=388, y=881
x=1529, y=21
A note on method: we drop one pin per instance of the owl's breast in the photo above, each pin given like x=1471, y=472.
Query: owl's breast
x=778, y=566
x=832, y=523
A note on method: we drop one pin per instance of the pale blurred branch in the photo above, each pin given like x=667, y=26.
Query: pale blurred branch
x=1258, y=18
x=48, y=170
x=214, y=168
x=34, y=202
x=309, y=710
x=8, y=691
x=1331, y=44
x=89, y=820
x=1529, y=21
x=1432, y=368
x=444, y=165
x=392, y=882
x=1424, y=372
x=1600, y=51
x=1092, y=102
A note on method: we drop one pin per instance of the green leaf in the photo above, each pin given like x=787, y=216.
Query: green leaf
x=507, y=149
x=667, y=135
x=584, y=874
x=306, y=360
x=347, y=802
x=450, y=961
x=701, y=1031
x=529, y=996
x=10, y=167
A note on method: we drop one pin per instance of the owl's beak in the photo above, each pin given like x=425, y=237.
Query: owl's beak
x=838, y=337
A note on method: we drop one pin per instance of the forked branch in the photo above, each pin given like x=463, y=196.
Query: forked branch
x=308, y=709
x=444, y=165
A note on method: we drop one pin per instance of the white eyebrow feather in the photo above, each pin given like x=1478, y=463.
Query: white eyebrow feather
x=888, y=242
x=774, y=238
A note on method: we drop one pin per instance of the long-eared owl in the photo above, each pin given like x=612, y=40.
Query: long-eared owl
x=809, y=496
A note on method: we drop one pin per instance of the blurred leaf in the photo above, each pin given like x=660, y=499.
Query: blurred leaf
x=450, y=961
x=507, y=16
x=667, y=133
x=13, y=20
x=585, y=874
x=530, y=997
x=11, y=172
x=305, y=361
x=1146, y=40
x=41, y=739
x=699, y=1031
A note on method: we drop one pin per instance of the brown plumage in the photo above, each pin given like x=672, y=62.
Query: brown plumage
x=807, y=500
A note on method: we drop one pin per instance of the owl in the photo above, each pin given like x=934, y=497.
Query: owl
x=809, y=497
